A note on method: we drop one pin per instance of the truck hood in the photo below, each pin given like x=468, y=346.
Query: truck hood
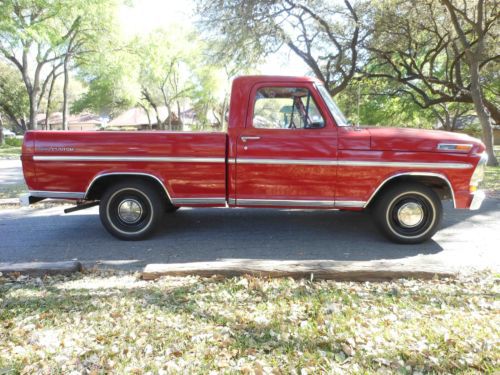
x=404, y=139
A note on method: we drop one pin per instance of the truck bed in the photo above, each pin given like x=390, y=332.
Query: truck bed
x=66, y=163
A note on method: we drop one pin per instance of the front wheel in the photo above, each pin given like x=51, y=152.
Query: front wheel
x=408, y=213
x=131, y=210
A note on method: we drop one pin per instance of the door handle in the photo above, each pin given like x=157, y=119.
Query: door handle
x=249, y=138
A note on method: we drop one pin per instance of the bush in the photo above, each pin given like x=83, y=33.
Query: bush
x=14, y=142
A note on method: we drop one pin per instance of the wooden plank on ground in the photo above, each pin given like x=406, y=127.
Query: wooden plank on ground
x=41, y=268
x=320, y=269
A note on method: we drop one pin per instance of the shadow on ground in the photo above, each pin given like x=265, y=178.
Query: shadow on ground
x=209, y=234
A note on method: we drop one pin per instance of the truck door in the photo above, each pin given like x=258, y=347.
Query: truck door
x=286, y=154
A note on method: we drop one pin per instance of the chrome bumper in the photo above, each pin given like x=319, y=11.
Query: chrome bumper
x=477, y=200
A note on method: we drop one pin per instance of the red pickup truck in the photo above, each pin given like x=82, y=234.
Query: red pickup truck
x=287, y=145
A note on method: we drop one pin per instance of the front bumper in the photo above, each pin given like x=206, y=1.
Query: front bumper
x=477, y=200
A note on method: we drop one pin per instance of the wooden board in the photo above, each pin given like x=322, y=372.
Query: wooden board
x=320, y=269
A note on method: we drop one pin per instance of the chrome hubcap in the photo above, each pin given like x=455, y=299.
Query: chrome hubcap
x=410, y=214
x=130, y=211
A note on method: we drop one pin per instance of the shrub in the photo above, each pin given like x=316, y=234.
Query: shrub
x=14, y=142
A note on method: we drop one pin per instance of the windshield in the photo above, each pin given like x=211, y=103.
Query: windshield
x=334, y=110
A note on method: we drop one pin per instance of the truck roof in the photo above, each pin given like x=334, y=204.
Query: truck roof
x=252, y=79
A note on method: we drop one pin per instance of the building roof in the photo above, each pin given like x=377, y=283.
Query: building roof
x=137, y=116
x=83, y=118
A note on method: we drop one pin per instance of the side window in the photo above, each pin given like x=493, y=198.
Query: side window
x=286, y=108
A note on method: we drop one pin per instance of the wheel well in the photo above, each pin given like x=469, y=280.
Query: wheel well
x=439, y=184
x=100, y=184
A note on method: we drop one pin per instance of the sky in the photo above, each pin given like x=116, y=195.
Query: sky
x=143, y=16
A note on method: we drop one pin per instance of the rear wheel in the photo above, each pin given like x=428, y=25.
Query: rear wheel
x=408, y=213
x=131, y=210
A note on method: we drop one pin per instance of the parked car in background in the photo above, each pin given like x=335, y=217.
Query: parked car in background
x=8, y=133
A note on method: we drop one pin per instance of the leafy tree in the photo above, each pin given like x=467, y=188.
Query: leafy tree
x=373, y=102
x=111, y=83
x=473, y=24
x=168, y=71
x=39, y=37
x=415, y=46
x=14, y=102
x=326, y=35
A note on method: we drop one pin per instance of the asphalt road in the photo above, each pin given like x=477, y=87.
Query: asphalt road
x=469, y=239
x=11, y=172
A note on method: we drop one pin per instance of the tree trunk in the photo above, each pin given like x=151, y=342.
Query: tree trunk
x=65, y=113
x=33, y=109
x=223, y=113
x=150, y=124
x=494, y=111
x=180, y=125
x=482, y=111
x=49, y=101
x=168, y=120
x=2, y=140
x=159, y=123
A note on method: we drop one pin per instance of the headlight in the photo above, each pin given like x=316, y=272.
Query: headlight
x=478, y=174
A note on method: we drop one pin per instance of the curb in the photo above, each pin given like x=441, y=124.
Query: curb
x=41, y=268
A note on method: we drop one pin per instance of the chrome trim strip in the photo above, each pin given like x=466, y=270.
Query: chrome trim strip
x=424, y=174
x=360, y=204
x=285, y=203
x=161, y=159
x=403, y=164
x=127, y=174
x=231, y=201
x=320, y=162
x=56, y=194
x=352, y=163
x=287, y=161
x=199, y=201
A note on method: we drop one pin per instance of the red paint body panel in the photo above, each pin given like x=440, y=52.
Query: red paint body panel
x=226, y=175
x=184, y=179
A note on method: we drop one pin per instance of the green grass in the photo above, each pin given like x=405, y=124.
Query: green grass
x=6, y=150
x=492, y=175
x=103, y=323
x=491, y=179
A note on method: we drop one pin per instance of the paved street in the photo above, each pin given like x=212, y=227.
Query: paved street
x=11, y=172
x=468, y=239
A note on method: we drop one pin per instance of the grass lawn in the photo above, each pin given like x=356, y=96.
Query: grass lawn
x=492, y=175
x=101, y=323
x=10, y=151
x=491, y=178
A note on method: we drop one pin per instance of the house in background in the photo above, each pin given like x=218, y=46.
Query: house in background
x=80, y=122
x=137, y=119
